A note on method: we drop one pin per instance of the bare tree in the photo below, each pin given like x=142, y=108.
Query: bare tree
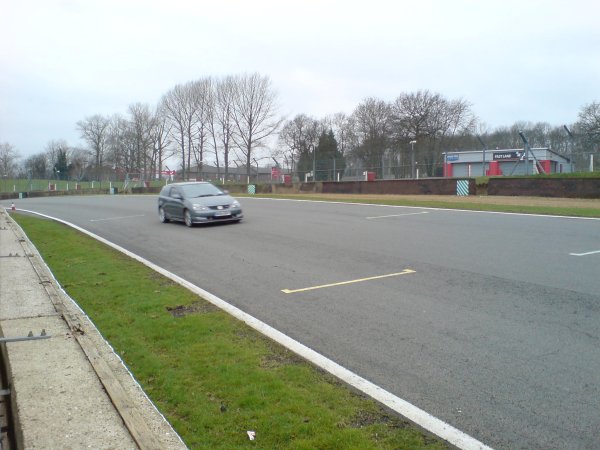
x=120, y=145
x=8, y=160
x=55, y=149
x=222, y=118
x=297, y=139
x=539, y=134
x=587, y=131
x=94, y=131
x=36, y=166
x=141, y=124
x=201, y=98
x=160, y=140
x=343, y=130
x=451, y=119
x=559, y=140
x=79, y=162
x=431, y=121
x=372, y=125
x=254, y=114
x=211, y=122
x=411, y=112
x=179, y=107
x=589, y=121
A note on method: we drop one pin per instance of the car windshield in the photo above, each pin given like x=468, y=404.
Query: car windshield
x=200, y=190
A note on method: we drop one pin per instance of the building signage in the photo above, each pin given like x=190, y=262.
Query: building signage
x=507, y=156
x=452, y=157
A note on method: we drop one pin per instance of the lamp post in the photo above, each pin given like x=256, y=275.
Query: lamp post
x=256, y=162
x=483, y=158
x=412, y=157
x=333, y=174
x=314, y=152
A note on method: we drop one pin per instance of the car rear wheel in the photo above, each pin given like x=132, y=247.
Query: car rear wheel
x=187, y=218
x=162, y=215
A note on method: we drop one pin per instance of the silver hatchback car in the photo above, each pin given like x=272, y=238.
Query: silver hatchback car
x=197, y=202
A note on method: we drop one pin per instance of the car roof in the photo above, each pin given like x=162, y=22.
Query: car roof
x=183, y=183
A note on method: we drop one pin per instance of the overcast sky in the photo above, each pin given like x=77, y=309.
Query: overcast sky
x=61, y=61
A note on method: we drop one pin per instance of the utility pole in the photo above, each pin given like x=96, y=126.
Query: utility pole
x=412, y=158
x=483, y=159
x=571, y=138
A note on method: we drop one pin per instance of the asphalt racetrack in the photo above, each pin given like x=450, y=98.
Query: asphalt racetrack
x=490, y=322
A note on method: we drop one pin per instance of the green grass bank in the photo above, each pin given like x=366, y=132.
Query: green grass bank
x=213, y=377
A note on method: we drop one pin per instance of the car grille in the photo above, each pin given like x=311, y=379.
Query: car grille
x=219, y=207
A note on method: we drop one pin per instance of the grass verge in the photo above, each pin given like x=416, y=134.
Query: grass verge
x=450, y=203
x=212, y=376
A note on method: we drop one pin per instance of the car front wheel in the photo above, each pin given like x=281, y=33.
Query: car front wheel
x=162, y=216
x=187, y=218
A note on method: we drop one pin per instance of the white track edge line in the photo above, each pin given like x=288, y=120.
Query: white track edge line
x=425, y=207
x=420, y=417
x=586, y=253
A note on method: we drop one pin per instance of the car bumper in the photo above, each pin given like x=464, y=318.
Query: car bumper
x=229, y=215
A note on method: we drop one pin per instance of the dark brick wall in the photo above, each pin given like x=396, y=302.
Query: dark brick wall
x=426, y=186
x=243, y=188
x=545, y=187
x=15, y=195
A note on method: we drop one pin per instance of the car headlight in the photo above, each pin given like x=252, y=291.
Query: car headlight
x=235, y=204
x=199, y=207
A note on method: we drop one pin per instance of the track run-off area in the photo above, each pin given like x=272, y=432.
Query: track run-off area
x=489, y=322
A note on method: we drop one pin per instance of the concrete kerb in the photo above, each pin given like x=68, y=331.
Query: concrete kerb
x=70, y=390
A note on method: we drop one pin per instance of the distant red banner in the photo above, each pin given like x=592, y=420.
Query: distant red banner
x=275, y=173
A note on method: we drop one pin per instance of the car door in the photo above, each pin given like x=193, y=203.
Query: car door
x=174, y=204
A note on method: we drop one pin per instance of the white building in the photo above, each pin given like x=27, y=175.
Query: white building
x=504, y=162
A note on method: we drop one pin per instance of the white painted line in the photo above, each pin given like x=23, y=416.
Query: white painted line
x=585, y=254
x=117, y=218
x=422, y=418
x=397, y=215
x=424, y=207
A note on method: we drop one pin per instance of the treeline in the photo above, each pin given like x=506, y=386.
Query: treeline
x=199, y=121
x=234, y=120
x=422, y=126
x=214, y=121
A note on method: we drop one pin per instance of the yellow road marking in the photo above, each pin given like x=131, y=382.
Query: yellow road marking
x=293, y=291
x=397, y=215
